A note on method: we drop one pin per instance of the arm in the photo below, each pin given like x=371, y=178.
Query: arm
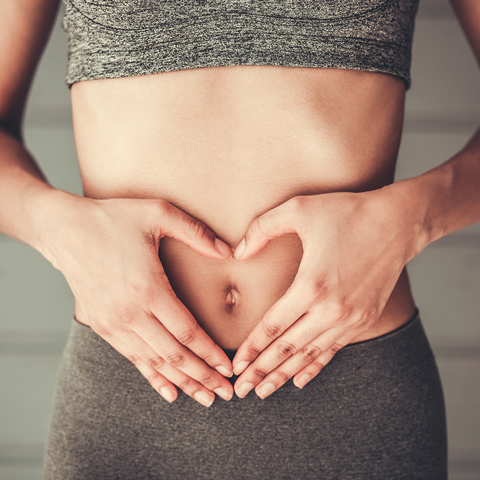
x=138, y=314
x=25, y=28
x=450, y=192
x=447, y=197
x=355, y=247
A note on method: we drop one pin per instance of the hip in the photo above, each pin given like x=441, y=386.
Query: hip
x=376, y=411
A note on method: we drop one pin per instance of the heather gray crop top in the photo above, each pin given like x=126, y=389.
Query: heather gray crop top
x=120, y=38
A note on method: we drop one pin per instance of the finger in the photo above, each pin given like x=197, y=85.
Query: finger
x=134, y=350
x=177, y=319
x=301, y=333
x=163, y=386
x=310, y=371
x=160, y=340
x=192, y=232
x=273, y=223
x=313, y=353
x=267, y=379
x=168, y=368
x=286, y=311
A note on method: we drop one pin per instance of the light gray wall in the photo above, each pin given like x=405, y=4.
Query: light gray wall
x=443, y=110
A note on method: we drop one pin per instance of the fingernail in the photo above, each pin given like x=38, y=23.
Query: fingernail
x=223, y=248
x=167, y=394
x=303, y=380
x=240, y=367
x=203, y=397
x=266, y=390
x=223, y=392
x=239, y=251
x=224, y=371
x=244, y=389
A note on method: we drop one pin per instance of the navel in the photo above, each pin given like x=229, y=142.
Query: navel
x=231, y=298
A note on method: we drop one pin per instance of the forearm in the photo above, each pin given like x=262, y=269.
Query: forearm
x=446, y=198
x=24, y=193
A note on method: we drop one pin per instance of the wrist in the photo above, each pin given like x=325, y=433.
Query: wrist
x=406, y=204
x=51, y=210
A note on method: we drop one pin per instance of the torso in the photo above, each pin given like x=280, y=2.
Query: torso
x=226, y=144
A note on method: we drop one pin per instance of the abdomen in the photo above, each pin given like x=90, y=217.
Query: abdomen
x=227, y=144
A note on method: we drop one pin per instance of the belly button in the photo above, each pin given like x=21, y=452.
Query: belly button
x=231, y=298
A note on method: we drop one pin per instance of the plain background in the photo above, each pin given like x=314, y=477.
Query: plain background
x=36, y=305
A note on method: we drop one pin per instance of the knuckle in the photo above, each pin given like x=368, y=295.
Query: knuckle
x=319, y=288
x=149, y=297
x=319, y=366
x=185, y=384
x=286, y=349
x=272, y=330
x=283, y=375
x=152, y=379
x=156, y=362
x=126, y=322
x=176, y=359
x=340, y=309
x=206, y=380
x=207, y=356
x=120, y=317
x=134, y=359
x=141, y=293
x=366, y=317
x=260, y=373
x=253, y=351
x=343, y=311
x=296, y=203
x=158, y=209
x=311, y=352
x=199, y=229
x=188, y=336
x=256, y=225
x=336, y=347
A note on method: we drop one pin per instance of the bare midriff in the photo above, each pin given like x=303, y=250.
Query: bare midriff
x=226, y=144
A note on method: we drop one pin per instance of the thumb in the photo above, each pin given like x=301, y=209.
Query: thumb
x=273, y=223
x=193, y=233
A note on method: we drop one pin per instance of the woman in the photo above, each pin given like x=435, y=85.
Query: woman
x=197, y=139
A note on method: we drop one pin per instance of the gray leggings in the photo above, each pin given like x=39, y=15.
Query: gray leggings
x=376, y=411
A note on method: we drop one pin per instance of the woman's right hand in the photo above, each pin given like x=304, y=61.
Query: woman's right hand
x=108, y=253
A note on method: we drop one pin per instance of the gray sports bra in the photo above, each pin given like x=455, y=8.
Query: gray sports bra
x=120, y=38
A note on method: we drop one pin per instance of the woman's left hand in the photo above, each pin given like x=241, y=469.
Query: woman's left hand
x=355, y=246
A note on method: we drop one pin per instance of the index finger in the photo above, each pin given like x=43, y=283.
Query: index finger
x=178, y=320
x=287, y=310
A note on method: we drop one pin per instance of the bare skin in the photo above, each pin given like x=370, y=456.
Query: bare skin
x=227, y=144
x=298, y=161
